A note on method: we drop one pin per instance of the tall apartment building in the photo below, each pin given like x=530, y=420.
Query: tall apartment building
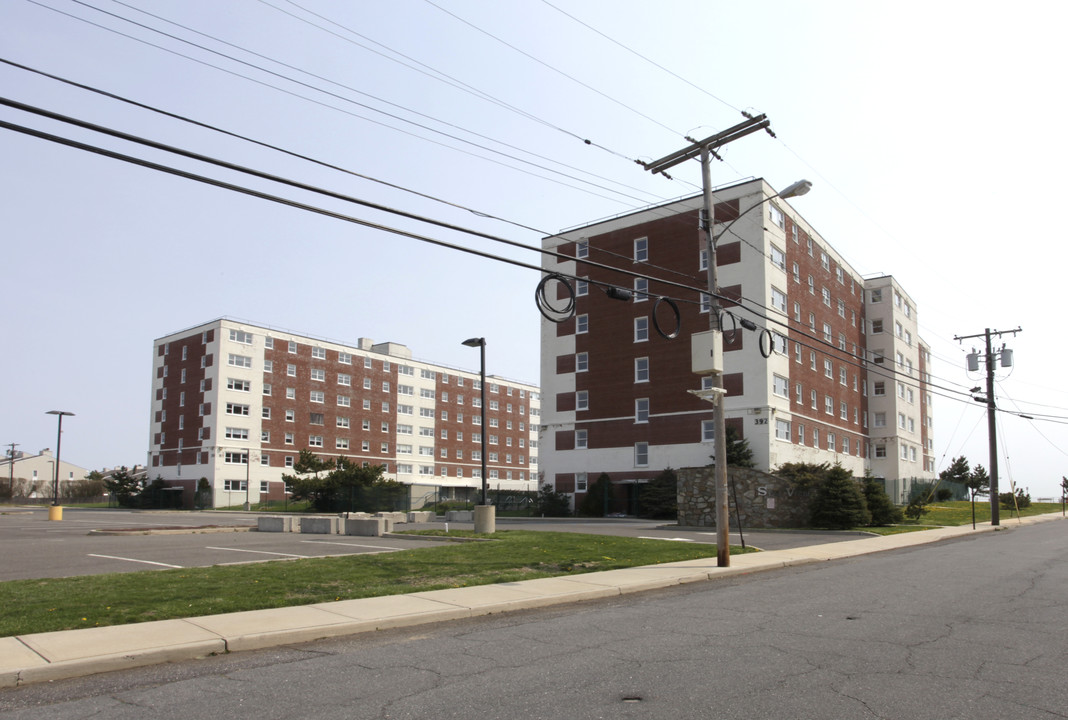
x=236, y=403
x=619, y=388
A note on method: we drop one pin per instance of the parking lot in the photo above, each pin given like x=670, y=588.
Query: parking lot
x=34, y=547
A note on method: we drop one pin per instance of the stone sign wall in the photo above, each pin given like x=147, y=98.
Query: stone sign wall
x=764, y=501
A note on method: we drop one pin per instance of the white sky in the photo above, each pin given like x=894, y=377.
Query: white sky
x=931, y=132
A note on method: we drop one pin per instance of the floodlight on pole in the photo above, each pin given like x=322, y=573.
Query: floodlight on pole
x=480, y=343
x=59, y=438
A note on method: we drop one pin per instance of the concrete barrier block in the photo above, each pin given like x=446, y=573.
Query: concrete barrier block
x=420, y=516
x=395, y=517
x=271, y=524
x=460, y=516
x=367, y=527
x=319, y=525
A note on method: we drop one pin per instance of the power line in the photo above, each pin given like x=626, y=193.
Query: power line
x=343, y=99
x=643, y=57
x=554, y=69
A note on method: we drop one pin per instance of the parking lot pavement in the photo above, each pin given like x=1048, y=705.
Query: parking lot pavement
x=34, y=547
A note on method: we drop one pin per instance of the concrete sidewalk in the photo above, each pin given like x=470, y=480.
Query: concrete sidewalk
x=41, y=657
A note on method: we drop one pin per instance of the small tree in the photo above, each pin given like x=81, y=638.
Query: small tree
x=883, y=511
x=839, y=502
x=660, y=496
x=595, y=503
x=739, y=454
x=978, y=483
x=203, y=496
x=550, y=503
x=1011, y=501
x=124, y=486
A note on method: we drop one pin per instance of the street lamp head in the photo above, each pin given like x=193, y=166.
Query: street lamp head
x=798, y=188
x=475, y=342
x=59, y=412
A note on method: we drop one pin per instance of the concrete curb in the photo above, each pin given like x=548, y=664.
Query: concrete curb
x=41, y=657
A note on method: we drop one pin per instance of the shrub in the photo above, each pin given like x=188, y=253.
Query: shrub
x=1011, y=502
x=597, y=496
x=839, y=503
x=659, y=498
x=883, y=511
x=550, y=503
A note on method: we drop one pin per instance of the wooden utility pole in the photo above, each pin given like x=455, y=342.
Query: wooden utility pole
x=704, y=149
x=991, y=409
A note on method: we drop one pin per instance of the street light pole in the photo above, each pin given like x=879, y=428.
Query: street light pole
x=56, y=513
x=485, y=520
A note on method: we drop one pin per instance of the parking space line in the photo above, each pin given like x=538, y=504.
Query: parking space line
x=646, y=537
x=147, y=562
x=258, y=552
x=373, y=547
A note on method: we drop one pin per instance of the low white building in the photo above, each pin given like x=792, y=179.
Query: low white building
x=33, y=476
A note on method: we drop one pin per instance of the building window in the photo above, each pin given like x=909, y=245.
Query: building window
x=582, y=324
x=708, y=431
x=236, y=409
x=582, y=362
x=344, y=401
x=780, y=386
x=582, y=400
x=235, y=458
x=582, y=288
x=291, y=370
x=641, y=369
x=318, y=375
x=581, y=439
x=315, y=441
x=233, y=433
x=778, y=258
x=782, y=430
x=641, y=329
x=641, y=410
x=778, y=300
x=641, y=289
x=319, y=353
x=344, y=358
x=236, y=361
x=776, y=216
x=317, y=396
x=291, y=416
x=641, y=454
x=641, y=250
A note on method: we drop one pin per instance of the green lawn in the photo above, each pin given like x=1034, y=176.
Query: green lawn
x=959, y=512
x=97, y=600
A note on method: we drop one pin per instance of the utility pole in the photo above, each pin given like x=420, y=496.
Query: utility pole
x=704, y=149
x=991, y=407
x=11, y=468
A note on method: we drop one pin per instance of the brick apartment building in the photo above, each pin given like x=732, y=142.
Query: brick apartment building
x=236, y=403
x=836, y=371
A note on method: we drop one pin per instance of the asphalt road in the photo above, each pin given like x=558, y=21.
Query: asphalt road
x=973, y=628
x=34, y=547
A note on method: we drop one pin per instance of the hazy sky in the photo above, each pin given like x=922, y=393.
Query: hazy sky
x=931, y=131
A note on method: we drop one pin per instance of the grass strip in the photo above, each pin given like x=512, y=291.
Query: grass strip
x=959, y=512
x=44, y=605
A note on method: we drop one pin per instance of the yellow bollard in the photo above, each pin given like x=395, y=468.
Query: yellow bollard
x=55, y=512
